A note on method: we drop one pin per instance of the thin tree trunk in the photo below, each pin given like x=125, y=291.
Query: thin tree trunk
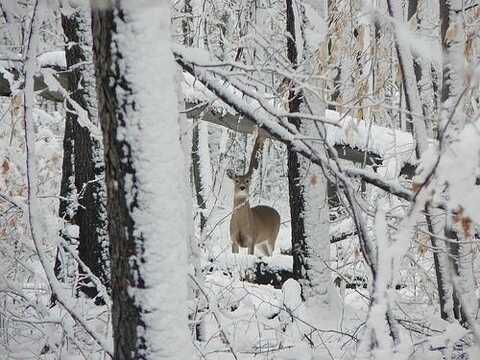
x=435, y=222
x=452, y=122
x=197, y=177
x=412, y=99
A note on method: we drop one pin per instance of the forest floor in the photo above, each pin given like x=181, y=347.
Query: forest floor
x=240, y=319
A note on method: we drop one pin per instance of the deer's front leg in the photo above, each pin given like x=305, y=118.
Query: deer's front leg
x=234, y=247
x=251, y=247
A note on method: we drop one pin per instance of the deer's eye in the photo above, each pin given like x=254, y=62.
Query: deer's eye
x=248, y=181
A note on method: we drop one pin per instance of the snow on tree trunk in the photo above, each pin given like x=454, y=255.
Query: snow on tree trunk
x=315, y=252
x=409, y=81
x=146, y=180
x=453, y=44
x=465, y=285
x=83, y=193
x=307, y=183
x=424, y=17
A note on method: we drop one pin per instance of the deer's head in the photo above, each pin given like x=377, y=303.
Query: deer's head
x=242, y=184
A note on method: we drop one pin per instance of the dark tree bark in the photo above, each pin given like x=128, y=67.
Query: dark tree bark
x=83, y=169
x=197, y=177
x=187, y=28
x=65, y=268
x=412, y=8
x=296, y=198
x=126, y=315
x=147, y=218
x=440, y=260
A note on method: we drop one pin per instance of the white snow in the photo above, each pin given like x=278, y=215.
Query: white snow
x=52, y=58
x=162, y=217
x=236, y=317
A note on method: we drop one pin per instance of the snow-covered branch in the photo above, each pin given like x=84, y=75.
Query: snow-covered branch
x=245, y=102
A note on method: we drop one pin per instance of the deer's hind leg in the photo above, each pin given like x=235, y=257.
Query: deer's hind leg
x=265, y=249
x=234, y=238
x=271, y=242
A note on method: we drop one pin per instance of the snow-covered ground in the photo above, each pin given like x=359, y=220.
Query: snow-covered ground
x=239, y=318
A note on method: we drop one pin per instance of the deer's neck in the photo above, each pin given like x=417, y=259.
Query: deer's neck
x=241, y=205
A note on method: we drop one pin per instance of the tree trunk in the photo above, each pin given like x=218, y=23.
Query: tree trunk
x=307, y=187
x=452, y=122
x=146, y=181
x=83, y=189
x=187, y=28
x=197, y=177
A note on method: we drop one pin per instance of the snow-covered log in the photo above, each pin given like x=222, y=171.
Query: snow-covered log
x=269, y=270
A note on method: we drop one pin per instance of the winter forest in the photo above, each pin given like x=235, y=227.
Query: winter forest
x=240, y=179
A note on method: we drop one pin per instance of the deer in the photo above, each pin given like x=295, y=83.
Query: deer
x=251, y=226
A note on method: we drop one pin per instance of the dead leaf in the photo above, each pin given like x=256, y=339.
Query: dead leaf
x=5, y=166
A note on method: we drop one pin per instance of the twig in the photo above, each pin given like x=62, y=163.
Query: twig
x=215, y=316
x=95, y=280
x=9, y=200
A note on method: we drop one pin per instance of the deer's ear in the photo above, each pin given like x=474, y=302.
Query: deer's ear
x=230, y=174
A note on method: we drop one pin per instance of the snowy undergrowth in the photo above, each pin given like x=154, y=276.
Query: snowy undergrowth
x=236, y=316
x=29, y=325
x=263, y=322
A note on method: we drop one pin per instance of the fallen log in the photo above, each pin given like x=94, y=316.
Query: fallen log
x=268, y=270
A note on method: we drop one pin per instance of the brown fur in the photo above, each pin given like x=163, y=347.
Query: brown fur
x=250, y=227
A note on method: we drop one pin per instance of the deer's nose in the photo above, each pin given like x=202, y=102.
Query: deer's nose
x=242, y=187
